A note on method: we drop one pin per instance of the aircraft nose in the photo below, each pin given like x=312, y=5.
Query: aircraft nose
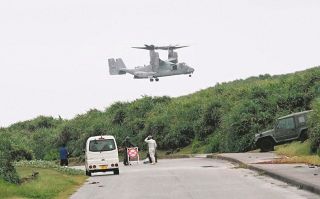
x=191, y=70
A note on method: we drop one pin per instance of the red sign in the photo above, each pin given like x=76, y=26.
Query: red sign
x=132, y=152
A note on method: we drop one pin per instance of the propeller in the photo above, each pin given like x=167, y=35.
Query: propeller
x=147, y=47
x=170, y=47
x=153, y=47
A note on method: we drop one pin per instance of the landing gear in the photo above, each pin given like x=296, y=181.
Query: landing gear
x=189, y=75
x=157, y=79
x=151, y=80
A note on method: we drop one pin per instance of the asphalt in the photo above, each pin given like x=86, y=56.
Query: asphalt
x=187, y=178
x=303, y=176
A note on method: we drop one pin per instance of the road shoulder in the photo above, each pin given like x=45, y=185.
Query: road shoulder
x=300, y=175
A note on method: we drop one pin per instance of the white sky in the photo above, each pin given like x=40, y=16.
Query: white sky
x=53, y=53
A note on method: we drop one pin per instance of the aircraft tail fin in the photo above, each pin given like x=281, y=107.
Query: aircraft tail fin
x=116, y=67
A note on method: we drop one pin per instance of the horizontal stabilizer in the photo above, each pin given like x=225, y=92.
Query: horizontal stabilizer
x=116, y=67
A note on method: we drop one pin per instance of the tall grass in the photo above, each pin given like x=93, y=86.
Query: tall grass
x=294, y=149
x=297, y=152
x=49, y=184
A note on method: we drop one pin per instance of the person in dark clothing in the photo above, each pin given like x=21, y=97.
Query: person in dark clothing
x=126, y=144
x=63, y=155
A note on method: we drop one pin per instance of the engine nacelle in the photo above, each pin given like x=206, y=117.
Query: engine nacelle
x=173, y=56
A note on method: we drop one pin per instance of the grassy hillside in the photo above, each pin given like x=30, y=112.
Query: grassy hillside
x=223, y=118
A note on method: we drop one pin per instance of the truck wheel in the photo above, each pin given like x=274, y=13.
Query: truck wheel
x=266, y=145
x=116, y=172
x=303, y=136
x=88, y=173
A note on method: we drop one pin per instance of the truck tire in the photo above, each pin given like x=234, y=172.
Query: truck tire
x=266, y=144
x=303, y=136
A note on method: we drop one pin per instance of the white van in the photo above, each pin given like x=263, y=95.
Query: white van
x=101, y=155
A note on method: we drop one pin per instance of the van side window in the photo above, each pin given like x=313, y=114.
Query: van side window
x=102, y=145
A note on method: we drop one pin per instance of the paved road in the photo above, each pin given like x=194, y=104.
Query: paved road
x=188, y=178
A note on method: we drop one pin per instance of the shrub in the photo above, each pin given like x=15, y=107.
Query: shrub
x=214, y=143
x=7, y=170
x=21, y=154
x=48, y=164
x=314, y=126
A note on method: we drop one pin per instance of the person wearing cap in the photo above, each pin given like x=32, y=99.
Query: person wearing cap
x=152, y=145
x=126, y=144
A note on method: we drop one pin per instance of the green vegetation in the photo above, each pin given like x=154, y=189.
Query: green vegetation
x=314, y=126
x=48, y=184
x=294, y=149
x=297, y=152
x=7, y=170
x=46, y=165
x=223, y=118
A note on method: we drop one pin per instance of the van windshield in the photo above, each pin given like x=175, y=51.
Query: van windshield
x=102, y=145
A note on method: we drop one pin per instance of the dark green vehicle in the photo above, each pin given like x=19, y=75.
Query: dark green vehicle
x=287, y=128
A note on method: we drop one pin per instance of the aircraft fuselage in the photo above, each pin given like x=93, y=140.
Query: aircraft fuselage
x=166, y=69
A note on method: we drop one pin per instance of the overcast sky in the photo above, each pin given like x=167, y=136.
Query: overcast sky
x=53, y=54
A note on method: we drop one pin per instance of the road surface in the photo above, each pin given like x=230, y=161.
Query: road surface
x=191, y=178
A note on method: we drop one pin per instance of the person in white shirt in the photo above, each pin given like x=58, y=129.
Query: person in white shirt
x=152, y=148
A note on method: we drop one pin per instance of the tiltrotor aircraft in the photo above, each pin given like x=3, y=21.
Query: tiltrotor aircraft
x=157, y=67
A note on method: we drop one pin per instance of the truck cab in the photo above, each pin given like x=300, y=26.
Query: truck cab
x=286, y=128
x=101, y=155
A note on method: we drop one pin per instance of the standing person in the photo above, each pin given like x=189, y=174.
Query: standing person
x=155, y=157
x=64, y=155
x=152, y=145
x=126, y=144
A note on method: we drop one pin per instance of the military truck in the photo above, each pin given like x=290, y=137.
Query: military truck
x=287, y=128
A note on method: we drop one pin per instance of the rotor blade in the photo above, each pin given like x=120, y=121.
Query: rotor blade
x=147, y=47
x=170, y=47
x=180, y=47
x=140, y=48
x=153, y=47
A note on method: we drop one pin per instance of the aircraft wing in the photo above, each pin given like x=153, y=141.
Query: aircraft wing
x=161, y=62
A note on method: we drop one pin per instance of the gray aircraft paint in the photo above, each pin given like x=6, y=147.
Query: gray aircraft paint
x=156, y=68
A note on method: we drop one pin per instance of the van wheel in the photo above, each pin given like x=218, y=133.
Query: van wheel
x=88, y=173
x=116, y=172
x=266, y=144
